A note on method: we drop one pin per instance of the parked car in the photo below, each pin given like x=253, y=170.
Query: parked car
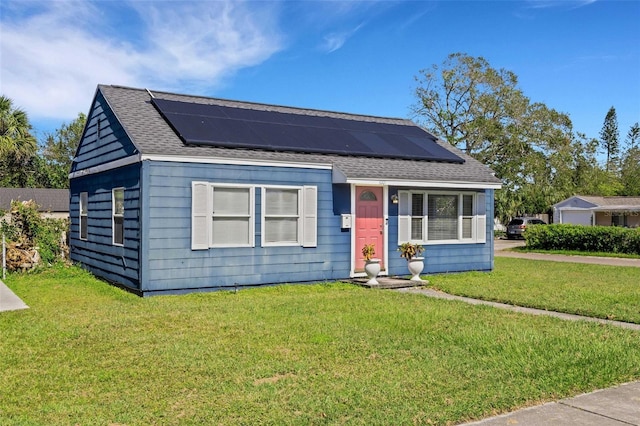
x=516, y=227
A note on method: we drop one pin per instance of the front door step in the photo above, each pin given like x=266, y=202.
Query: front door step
x=389, y=282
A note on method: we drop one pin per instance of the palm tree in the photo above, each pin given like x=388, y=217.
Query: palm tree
x=15, y=136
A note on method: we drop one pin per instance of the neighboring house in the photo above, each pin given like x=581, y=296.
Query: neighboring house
x=173, y=193
x=596, y=210
x=51, y=202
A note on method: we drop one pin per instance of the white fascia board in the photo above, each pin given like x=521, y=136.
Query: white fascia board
x=423, y=184
x=132, y=159
x=235, y=161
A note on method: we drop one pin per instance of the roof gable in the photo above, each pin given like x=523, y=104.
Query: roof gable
x=104, y=138
x=596, y=201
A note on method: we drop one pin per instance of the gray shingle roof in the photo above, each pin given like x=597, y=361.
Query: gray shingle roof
x=49, y=200
x=613, y=201
x=151, y=134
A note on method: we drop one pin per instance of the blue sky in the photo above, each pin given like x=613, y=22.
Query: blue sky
x=579, y=57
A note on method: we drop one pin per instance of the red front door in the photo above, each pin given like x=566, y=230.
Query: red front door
x=369, y=223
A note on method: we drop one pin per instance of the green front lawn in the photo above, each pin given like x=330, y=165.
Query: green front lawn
x=88, y=353
x=610, y=292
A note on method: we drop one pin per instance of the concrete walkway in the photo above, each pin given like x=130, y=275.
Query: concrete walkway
x=616, y=406
x=531, y=311
x=8, y=300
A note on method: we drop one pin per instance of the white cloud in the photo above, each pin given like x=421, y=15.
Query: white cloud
x=54, y=55
x=334, y=41
x=572, y=4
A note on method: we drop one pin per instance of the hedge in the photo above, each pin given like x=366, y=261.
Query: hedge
x=604, y=239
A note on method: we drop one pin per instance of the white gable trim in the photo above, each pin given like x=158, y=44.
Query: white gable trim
x=132, y=159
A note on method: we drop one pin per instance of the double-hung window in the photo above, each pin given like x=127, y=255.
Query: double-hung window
x=430, y=217
x=222, y=215
x=118, y=216
x=232, y=216
x=84, y=199
x=281, y=217
x=289, y=216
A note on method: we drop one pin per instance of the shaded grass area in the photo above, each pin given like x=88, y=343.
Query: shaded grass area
x=609, y=292
x=88, y=353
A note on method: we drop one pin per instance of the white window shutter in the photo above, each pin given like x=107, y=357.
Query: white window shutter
x=201, y=199
x=404, y=217
x=309, y=216
x=481, y=218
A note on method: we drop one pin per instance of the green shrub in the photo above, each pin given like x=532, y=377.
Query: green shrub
x=606, y=239
x=27, y=228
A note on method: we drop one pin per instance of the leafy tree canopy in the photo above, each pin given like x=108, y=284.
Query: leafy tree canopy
x=481, y=110
x=17, y=144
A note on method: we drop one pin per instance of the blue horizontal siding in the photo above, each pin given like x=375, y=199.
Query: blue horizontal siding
x=98, y=254
x=172, y=265
x=111, y=144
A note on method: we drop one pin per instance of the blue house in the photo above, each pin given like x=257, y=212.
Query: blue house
x=172, y=193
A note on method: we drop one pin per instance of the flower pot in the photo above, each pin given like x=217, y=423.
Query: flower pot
x=372, y=268
x=416, y=265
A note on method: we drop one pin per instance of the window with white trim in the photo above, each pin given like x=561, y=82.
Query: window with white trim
x=84, y=199
x=232, y=216
x=281, y=219
x=289, y=216
x=223, y=215
x=118, y=216
x=430, y=217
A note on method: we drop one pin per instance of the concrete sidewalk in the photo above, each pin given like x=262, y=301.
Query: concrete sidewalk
x=8, y=300
x=616, y=406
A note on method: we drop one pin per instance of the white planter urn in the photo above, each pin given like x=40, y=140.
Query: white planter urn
x=416, y=265
x=372, y=268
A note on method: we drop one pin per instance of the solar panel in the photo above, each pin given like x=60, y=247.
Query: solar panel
x=225, y=126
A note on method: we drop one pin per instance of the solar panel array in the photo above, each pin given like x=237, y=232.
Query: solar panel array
x=232, y=127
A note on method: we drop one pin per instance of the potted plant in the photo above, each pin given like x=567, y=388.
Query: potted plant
x=371, y=265
x=412, y=252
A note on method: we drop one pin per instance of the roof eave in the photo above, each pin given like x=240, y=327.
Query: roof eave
x=339, y=177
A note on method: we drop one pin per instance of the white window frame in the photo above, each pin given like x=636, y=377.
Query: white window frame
x=298, y=216
x=478, y=230
x=115, y=215
x=250, y=216
x=83, y=214
x=202, y=215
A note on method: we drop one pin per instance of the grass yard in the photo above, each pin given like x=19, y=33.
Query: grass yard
x=87, y=353
x=610, y=292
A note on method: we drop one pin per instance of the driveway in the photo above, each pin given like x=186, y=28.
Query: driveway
x=500, y=249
